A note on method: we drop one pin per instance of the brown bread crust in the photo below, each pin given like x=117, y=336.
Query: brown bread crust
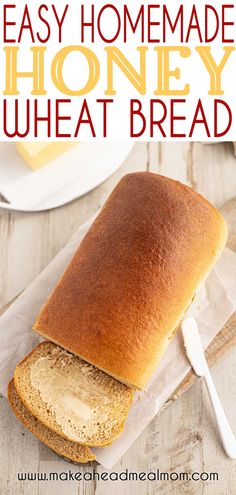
x=133, y=276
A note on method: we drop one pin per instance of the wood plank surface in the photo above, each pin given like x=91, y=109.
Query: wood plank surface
x=183, y=437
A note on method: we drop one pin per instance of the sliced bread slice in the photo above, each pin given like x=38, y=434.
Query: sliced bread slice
x=72, y=451
x=72, y=397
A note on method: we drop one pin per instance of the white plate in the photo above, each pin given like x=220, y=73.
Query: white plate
x=73, y=174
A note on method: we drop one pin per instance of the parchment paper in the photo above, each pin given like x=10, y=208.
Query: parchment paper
x=213, y=306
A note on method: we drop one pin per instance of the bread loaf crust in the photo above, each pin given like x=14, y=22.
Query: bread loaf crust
x=133, y=276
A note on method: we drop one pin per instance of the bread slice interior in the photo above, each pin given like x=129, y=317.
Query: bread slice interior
x=71, y=397
x=71, y=451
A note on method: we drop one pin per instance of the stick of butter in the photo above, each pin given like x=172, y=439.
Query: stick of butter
x=36, y=154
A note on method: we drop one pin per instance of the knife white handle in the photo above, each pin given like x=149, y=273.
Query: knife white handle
x=226, y=434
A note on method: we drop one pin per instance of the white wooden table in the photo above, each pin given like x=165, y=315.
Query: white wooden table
x=184, y=437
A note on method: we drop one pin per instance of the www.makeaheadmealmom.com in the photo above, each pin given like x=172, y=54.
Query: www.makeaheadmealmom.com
x=125, y=475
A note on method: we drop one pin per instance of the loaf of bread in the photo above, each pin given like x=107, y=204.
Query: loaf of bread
x=121, y=298
x=71, y=451
x=71, y=397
